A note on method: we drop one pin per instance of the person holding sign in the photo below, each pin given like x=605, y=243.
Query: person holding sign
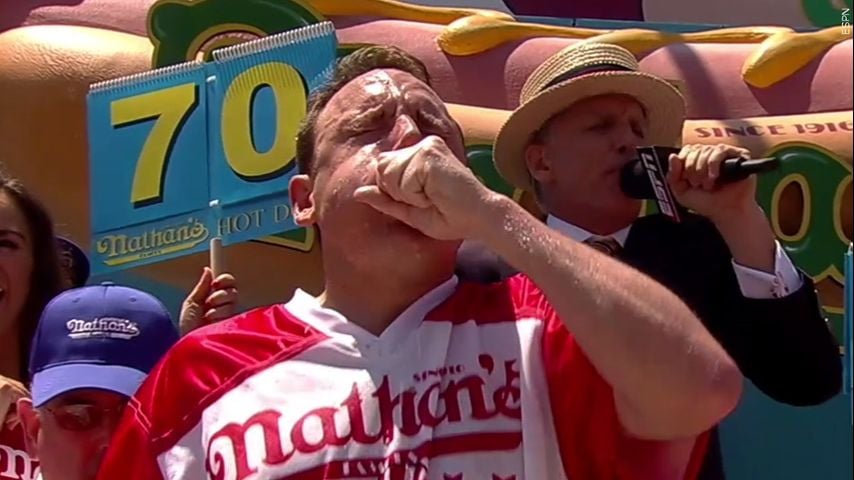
x=212, y=299
x=581, y=367
x=583, y=113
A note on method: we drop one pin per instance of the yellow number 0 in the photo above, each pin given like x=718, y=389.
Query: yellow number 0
x=290, y=95
x=170, y=107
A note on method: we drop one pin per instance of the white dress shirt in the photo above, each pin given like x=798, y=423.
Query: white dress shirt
x=753, y=283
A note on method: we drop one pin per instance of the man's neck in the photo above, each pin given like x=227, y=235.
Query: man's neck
x=374, y=299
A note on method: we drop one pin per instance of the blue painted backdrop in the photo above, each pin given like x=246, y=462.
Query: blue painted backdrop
x=765, y=440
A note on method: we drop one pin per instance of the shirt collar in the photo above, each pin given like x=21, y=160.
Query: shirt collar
x=308, y=309
x=579, y=234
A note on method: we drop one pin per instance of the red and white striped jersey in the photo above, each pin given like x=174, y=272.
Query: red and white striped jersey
x=470, y=382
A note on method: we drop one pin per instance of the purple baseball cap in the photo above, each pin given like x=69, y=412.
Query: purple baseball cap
x=104, y=336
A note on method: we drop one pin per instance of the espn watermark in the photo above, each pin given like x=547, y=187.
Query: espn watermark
x=845, y=21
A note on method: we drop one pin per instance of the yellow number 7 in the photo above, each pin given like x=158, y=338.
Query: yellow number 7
x=170, y=108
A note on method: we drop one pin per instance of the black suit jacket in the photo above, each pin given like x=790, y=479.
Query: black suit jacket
x=783, y=345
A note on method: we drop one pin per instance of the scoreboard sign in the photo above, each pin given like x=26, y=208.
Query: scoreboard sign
x=198, y=150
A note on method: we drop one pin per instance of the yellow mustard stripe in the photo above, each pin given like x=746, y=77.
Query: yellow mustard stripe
x=780, y=51
x=401, y=10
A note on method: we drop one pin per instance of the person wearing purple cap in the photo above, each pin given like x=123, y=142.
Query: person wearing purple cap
x=93, y=347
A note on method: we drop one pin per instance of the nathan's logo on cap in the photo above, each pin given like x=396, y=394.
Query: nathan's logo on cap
x=102, y=327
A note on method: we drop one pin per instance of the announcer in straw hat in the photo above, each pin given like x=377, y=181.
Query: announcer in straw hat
x=582, y=115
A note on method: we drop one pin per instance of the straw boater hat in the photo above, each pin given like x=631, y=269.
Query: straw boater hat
x=583, y=70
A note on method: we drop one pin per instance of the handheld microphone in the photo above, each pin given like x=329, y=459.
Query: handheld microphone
x=635, y=181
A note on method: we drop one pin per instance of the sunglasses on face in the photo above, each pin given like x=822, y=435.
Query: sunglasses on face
x=84, y=417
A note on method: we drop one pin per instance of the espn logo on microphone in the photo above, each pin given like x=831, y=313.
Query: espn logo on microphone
x=663, y=195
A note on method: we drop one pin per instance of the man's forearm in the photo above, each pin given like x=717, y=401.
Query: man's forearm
x=669, y=376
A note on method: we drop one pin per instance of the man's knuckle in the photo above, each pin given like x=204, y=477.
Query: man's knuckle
x=432, y=143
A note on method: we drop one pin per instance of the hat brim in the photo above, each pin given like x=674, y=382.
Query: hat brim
x=664, y=106
x=54, y=381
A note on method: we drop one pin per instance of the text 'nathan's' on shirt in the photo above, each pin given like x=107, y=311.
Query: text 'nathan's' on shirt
x=15, y=462
x=470, y=382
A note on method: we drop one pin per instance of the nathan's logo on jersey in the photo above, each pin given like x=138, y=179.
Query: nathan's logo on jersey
x=378, y=420
x=102, y=327
x=16, y=464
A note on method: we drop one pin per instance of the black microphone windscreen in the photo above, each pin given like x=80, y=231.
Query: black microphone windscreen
x=634, y=181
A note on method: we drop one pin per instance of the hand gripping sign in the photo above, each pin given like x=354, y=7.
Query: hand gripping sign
x=195, y=151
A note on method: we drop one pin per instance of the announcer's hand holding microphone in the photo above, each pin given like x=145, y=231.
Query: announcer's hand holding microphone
x=590, y=108
x=694, y=175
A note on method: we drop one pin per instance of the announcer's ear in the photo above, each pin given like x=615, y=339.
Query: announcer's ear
x=301, y=191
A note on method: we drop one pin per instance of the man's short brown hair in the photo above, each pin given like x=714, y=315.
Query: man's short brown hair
x=348, y=68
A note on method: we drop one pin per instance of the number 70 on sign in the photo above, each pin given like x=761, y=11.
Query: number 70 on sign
x=164, y=144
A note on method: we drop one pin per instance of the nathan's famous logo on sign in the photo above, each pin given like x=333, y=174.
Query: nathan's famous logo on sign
x=238, y=223
x=122, y=248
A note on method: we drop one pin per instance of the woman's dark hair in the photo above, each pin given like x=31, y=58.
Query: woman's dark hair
x=45, y=279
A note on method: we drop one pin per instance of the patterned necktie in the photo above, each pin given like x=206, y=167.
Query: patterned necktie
x=606, y=245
